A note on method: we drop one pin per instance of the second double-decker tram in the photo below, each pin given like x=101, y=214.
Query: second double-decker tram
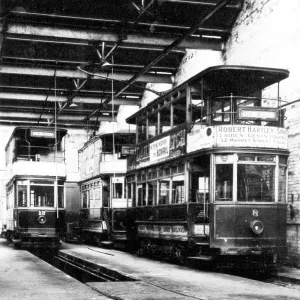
x=208, y=179
x=103, y=201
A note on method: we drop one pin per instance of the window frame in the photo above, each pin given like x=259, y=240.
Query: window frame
x=233, y=159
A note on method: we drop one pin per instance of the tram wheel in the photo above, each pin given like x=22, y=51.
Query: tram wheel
x=141, y=249
x=180, y=255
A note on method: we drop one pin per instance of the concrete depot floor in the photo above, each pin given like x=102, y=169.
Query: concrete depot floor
x=23, y=276
x=185, y=283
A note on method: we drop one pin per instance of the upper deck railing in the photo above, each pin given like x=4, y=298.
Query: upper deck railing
x=233, y=109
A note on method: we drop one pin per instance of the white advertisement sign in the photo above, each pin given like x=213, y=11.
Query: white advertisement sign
x=237, y=136
x=251, y=136
x=200, y=138
x=159, y=149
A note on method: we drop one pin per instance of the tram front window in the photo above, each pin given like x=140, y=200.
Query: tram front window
x=42, y=196
x=256, y=183
x=22, y=195
x=224, y=180
x=117, y=190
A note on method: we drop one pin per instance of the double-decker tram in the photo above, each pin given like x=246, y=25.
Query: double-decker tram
x=35, y=161
x=209, y=177
x=103, y=164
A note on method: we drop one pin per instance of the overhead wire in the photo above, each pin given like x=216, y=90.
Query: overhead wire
x=45, y=101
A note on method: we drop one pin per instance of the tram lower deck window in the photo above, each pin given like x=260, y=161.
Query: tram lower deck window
x=164, y=191
x=152, y=192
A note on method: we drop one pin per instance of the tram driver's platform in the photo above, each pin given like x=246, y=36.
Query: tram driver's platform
x=23, y=276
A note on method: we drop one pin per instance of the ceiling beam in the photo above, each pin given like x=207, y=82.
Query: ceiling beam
x=51, y=18
x=203, y=3
x=25, y=122
x=67, y=35
x=95, y=93
x=78, y=63
x=48, y=72
x=74, y=111
x=169, y=48
x=52, y=98
x=124, y=101
x=35, y=115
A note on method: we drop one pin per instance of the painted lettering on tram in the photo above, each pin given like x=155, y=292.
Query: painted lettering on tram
x=237, y=135
x=159, y=149
x=156, y=230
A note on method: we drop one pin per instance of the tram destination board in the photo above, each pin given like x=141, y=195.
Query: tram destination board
x=40, y=133
x=258, y=113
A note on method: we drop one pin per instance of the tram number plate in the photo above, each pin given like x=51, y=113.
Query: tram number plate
x=42, y=213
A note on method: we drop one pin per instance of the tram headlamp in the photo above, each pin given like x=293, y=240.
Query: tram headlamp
x=42, y=219
x=257, y=227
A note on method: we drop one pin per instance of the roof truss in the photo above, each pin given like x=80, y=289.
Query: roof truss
x=97, y=53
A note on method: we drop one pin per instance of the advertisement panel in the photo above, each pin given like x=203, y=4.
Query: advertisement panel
x=159, y=149
x=237, y=136
x=200, y=138
x=251, y=136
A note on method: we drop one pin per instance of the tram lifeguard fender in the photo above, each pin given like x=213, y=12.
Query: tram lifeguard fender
x=257, y=226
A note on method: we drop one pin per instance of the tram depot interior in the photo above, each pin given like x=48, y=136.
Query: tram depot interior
x=87, y=69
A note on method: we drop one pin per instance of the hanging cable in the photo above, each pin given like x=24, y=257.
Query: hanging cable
x=45, y=102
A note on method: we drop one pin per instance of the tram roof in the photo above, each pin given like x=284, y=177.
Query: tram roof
x=116, y=134
x=227, y=75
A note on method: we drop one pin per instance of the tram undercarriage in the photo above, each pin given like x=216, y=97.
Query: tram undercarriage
x=185, y=253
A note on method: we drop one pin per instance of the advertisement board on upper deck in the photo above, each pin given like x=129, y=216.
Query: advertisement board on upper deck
x=165, y=148
x=237, y=136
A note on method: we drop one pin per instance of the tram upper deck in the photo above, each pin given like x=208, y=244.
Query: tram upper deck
x=36, y=151
x=222, y=106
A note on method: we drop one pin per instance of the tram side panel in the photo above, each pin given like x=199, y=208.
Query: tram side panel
x=71, y=226
x=248, y=229
x=168, y=225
